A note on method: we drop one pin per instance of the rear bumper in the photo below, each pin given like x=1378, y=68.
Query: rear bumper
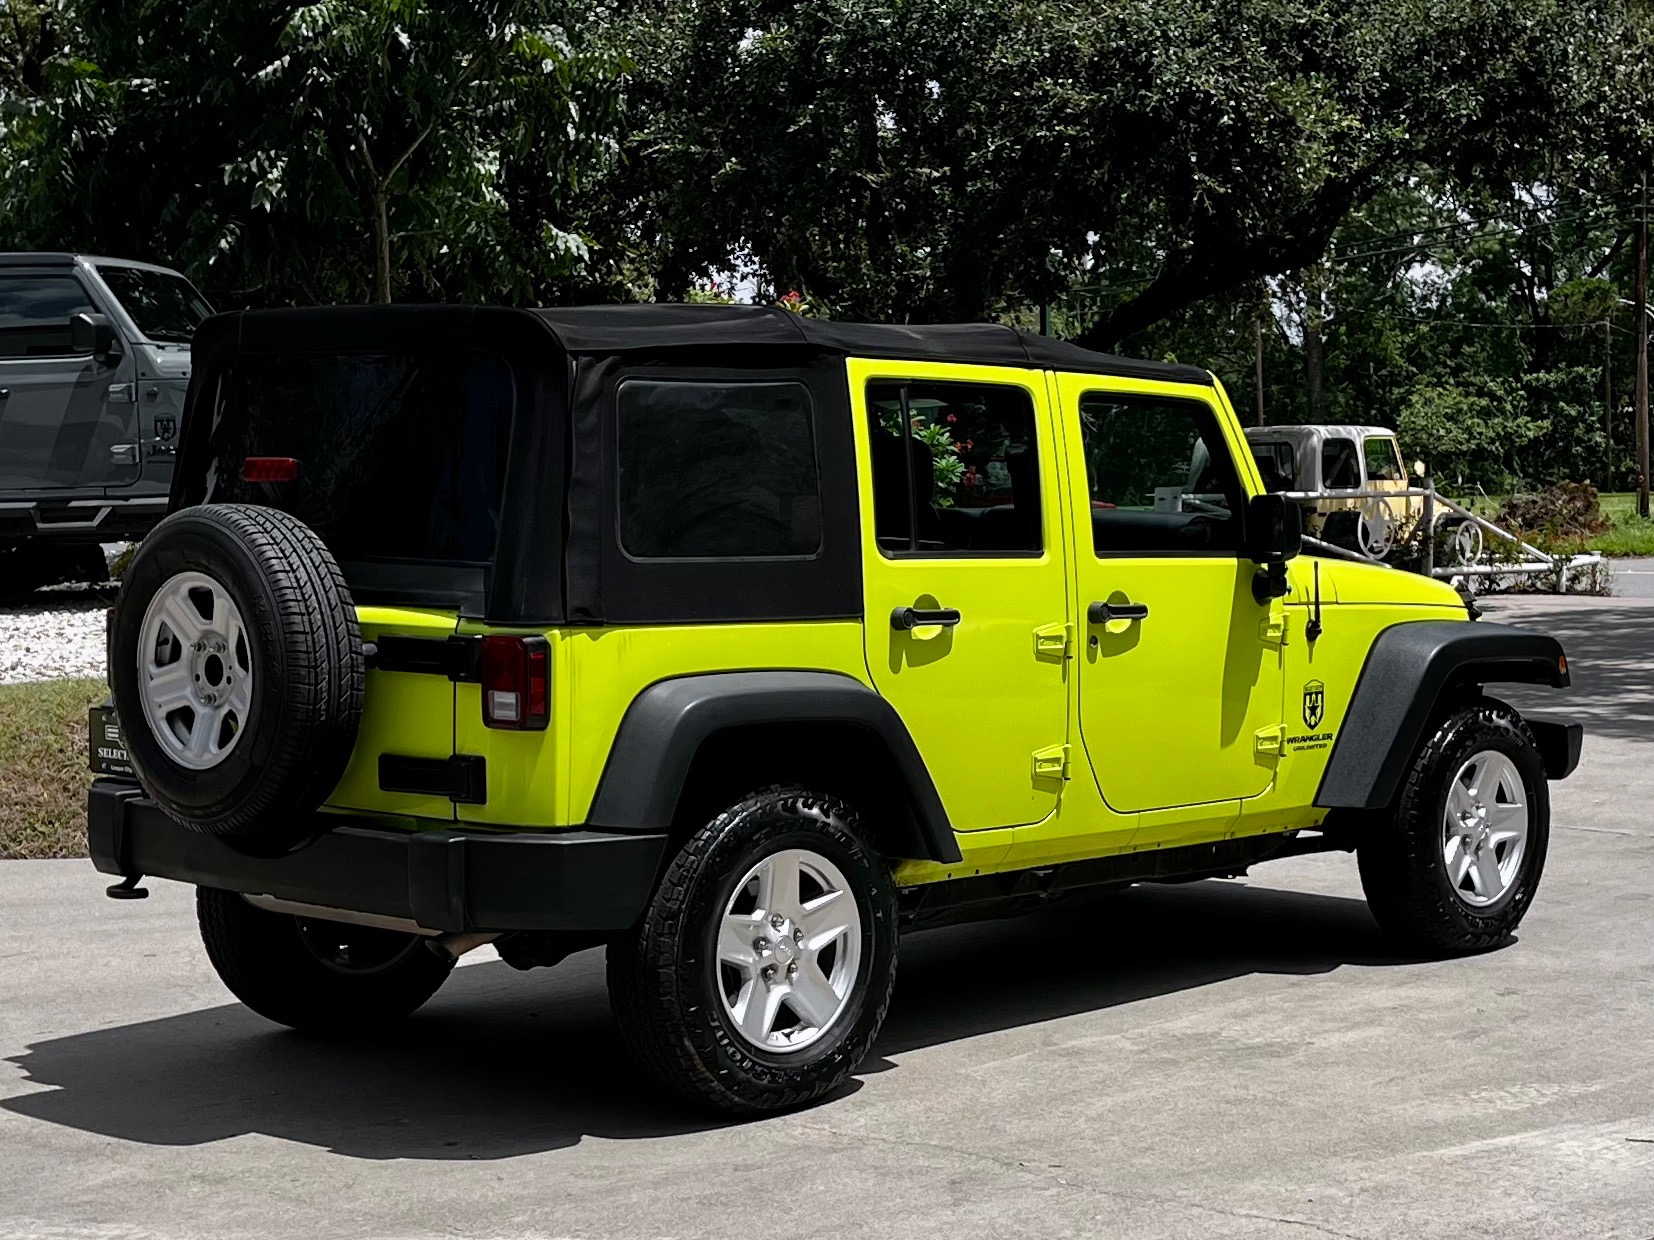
x=444, y=880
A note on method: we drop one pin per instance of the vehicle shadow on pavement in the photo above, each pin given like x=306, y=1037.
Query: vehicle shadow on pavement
x=502, y=1064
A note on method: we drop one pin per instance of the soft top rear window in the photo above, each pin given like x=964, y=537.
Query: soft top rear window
x=400, y=456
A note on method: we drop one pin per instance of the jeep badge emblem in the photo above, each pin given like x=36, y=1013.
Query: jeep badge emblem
x=1315, y=703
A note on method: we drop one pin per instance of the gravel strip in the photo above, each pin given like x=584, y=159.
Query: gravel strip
x=61, y=635
x=58, y=632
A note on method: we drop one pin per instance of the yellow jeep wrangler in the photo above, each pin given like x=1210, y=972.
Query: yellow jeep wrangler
x=738, y=643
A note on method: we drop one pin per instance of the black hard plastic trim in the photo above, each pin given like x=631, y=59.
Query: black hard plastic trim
x=458, y=658
x=666, y=724
x=442, y=879
x=1408, y=668
x=462, y=778
x=1560, y=742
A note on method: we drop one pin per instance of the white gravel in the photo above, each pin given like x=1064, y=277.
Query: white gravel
x=63, y=637
x=59, y=632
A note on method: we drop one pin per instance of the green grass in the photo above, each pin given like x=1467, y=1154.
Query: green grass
x=43, y=772
x=1630, y=535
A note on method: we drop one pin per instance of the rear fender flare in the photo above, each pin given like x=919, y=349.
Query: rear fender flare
x=667, y=724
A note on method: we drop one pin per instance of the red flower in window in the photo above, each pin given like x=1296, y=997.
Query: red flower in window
x=953, y=417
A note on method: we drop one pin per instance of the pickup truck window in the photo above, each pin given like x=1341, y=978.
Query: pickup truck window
x=1161, y=478
x=166, y=308
x=969, y=483
x=34, y=315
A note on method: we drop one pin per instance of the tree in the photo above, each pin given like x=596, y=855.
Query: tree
x=333, y=151
x=957, y=158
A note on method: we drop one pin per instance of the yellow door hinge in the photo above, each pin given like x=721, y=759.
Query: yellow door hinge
x=1273, y=631
x=1051, y=763
x=1054, y=641
x=1270, y=740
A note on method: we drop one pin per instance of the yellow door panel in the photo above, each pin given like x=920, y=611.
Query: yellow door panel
x=409, y=714
x=983, y=695
x=1180, y=668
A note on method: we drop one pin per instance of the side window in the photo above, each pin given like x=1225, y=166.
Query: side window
x=1277, y=465
x=1161, y=478
x=34, y=315
x=967, y=483
x=1340, y=467
x=1383, y=462
x=717, y=471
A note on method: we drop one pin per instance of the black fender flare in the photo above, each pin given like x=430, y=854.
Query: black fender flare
x=667, y=723
x=1408, y=669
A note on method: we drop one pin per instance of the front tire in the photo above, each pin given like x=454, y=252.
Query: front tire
x=1456, y=869
x=319, y=976
x=761, y=971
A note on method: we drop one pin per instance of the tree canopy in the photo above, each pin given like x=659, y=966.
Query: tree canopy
x=1420, y=208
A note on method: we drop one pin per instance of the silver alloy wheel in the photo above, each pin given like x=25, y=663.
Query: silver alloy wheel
x=1485, y=828
x=195, y=671
x=789, y=948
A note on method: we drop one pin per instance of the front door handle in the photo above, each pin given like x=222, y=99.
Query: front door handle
x=905, y=618
x=1102, y=613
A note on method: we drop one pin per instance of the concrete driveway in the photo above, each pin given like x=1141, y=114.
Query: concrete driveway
x=1225, y=1059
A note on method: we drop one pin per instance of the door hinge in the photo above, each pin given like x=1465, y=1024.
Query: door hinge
x=1054, y=641
x=1051, y=762
x=1270, y=740
x=1273, y=631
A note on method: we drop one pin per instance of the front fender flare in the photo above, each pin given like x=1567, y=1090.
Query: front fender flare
x=1410, y=666
x=666, y=724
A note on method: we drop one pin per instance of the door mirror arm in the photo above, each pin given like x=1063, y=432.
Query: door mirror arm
x=1274, y=535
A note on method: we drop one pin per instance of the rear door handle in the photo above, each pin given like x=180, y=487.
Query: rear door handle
x=905, y=618
x=1102, y=613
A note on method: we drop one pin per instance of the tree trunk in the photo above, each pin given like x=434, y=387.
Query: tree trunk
x=381, y=247
x=1315, y=366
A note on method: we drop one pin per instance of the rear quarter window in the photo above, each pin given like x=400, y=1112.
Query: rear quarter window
x=717, y=470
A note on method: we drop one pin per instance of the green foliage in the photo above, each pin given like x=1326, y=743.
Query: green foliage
x=339, y=151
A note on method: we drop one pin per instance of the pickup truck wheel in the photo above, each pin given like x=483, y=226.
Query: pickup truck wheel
x=235, y=662
x=1457, y=868
x=760, y=973
x=320, y=976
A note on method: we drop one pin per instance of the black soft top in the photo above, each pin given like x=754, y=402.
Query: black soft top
x=663, y=328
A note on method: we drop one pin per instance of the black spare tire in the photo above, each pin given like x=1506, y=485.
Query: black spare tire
x=235, y=661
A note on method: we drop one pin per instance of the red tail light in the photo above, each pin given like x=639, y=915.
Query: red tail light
x=516, y=688
x=269, y=469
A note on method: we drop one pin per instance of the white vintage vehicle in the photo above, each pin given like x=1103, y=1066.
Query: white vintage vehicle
x=1355, y=489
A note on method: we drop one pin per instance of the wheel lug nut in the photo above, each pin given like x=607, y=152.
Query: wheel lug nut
x=792, y=970
x=776, y=921
x=769, y=972
x=219, y=647
x=798, y=936
x=760, y=945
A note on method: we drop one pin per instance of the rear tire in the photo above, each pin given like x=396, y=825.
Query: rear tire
x=1457, y=867
x=719, y=1013
x=323, y=977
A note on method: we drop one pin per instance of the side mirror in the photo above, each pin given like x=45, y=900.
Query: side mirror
x=1274, y=535
x=94, y=334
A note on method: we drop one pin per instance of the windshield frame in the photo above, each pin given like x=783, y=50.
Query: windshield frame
x=123, y=282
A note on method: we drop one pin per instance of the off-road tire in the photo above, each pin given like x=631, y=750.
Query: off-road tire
x=264, y=959
x=306, y=652
x=1403, y=871
x=662, y=974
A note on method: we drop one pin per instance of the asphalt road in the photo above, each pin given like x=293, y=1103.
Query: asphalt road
x=1633, y=578
x=1225, y=1059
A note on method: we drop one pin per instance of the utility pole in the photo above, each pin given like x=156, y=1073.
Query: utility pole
x=1642, y=352
x=1608, y=396
x=1257, y=331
